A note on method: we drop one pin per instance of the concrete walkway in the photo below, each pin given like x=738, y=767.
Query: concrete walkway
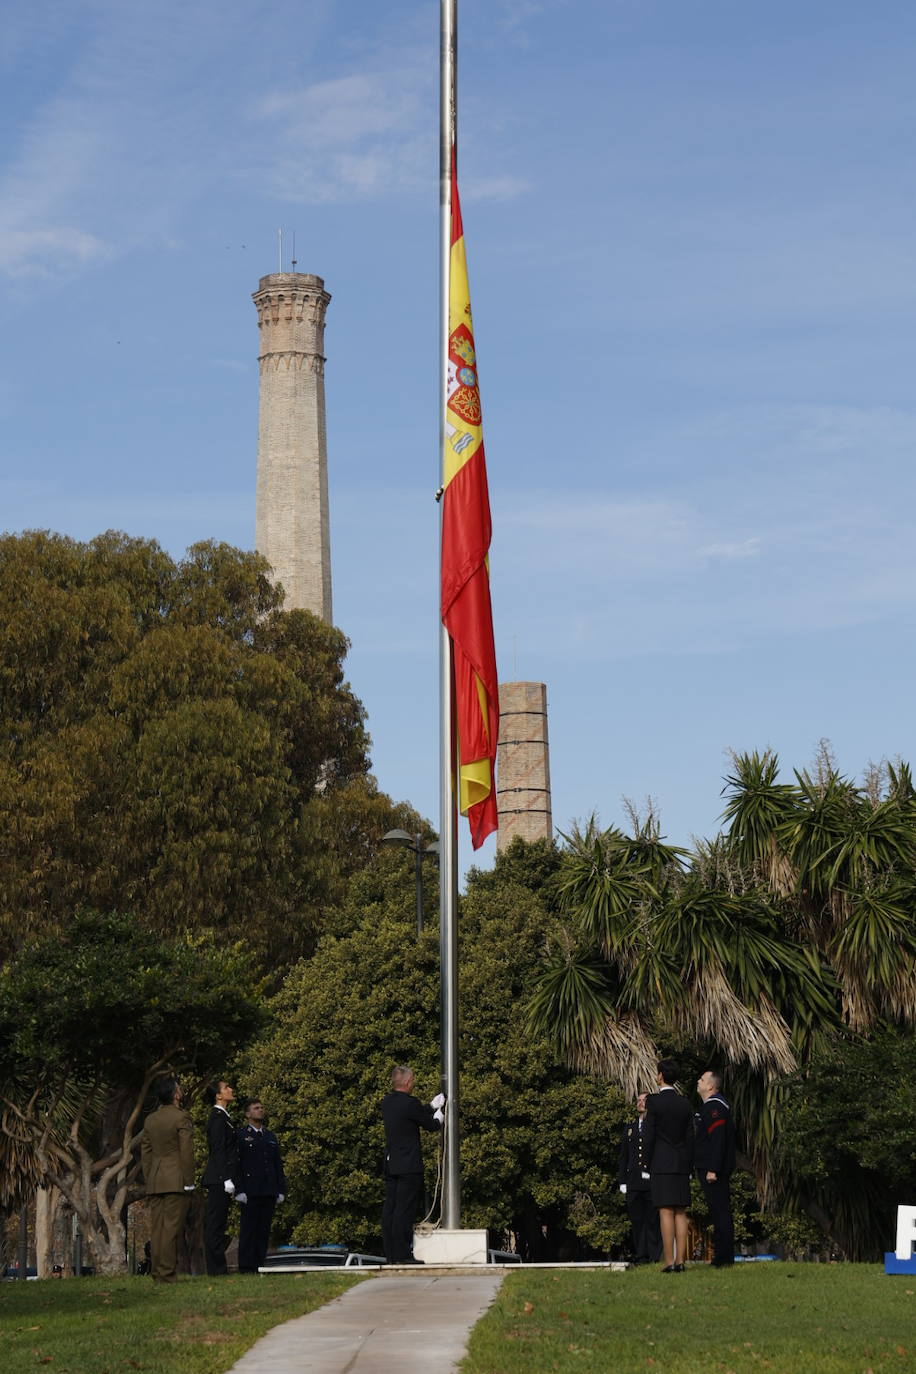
x=398, y=1325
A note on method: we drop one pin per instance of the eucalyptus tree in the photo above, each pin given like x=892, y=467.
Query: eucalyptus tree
x=165, y=730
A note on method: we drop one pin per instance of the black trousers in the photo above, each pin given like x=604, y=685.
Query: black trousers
x=216, y=1212
x=399, y=1212
x=647, y=1233
x=718, y=1200
x=254, y=1232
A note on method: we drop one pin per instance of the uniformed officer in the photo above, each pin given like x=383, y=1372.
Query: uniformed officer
x=260, y=1186
x=403, y=1116
x=633, y=1177
x=219, y=1175
x=167, y=1156
x=669, y=1142
x=715, y=1161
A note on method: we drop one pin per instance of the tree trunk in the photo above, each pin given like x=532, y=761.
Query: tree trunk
x=53, y=1234
x=5, y=1248
x=108, y=1252
x=46, y=1200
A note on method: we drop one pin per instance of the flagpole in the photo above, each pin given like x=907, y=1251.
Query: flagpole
x=448, y=828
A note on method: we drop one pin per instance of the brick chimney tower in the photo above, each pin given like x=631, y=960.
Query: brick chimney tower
x=292, y=523
x=523, y=764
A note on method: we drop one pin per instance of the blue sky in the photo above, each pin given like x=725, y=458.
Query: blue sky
x=690, y=238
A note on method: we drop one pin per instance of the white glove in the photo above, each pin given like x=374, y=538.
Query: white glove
x=623, y=1187
x=189, y=1187
x=229, y=1186
x=281, y=1197
x=241, y=1197
x=438, y=1116
x=438, y=1101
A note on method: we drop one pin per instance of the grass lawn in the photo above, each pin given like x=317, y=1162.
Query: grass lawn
x=785, y=1318
x=117, y=1326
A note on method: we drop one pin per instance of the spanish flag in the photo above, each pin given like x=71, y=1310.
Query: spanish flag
x=466, y=610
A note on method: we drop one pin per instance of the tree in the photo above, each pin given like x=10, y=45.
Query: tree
x=844, y=861
x=654, y=950
x=88, y=1019
x=759, y=952
x=166, y=730
x=538, y=1143
x=845, y=1143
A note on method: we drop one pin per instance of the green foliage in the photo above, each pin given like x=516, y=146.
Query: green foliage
x=538, y=1144
x=797, y=1236
x=846, y=1141
x=758, y=954
x=537, y=1141
x=165, y=731
x=88, y=1018
x=105, y=1001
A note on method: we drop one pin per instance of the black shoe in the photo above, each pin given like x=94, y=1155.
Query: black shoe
x=669, y=1269
x=410, y=1260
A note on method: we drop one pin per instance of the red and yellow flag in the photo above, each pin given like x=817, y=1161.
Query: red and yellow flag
x=466, y=610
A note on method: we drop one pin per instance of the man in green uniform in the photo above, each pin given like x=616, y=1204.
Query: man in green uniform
x=167, y=1156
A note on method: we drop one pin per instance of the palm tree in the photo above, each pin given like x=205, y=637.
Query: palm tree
x=792, y=929
x=846, y=863
x=655, y=951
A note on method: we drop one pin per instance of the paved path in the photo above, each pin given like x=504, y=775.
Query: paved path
x=396, y=1325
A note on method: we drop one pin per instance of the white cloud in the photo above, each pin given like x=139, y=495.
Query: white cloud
x=494, y=188
x=339, y=113
x=745, y=548
x=363, y=135
x=349, y=138
x=47, y=252
x=767, y=522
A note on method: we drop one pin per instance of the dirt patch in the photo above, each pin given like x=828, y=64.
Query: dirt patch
x=193, y=1330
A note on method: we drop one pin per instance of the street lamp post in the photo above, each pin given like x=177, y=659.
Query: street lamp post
x=420, y=851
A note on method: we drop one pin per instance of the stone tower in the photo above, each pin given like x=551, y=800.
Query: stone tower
x=292, y=526
x=523, y=764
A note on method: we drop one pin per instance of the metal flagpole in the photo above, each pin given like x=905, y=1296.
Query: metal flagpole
x=448, y=828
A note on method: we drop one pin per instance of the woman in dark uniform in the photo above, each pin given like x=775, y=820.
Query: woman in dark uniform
x=668, y=1151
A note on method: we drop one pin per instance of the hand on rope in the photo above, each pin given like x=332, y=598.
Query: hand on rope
x=432, y=1207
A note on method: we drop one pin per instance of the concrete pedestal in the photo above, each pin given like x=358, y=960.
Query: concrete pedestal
x=450, y=1247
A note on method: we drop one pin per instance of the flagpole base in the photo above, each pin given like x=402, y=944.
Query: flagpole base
x=450, y=1247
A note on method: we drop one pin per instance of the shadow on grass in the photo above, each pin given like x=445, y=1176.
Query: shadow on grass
x=113, y=1326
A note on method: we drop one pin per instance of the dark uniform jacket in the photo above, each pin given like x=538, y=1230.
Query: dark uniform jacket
x=631, y=1164
x=167, y=1150
x=223, y=1160
x=715, y=1133
x=668, y=1131
x=260, y=1167
x=403, y=1115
